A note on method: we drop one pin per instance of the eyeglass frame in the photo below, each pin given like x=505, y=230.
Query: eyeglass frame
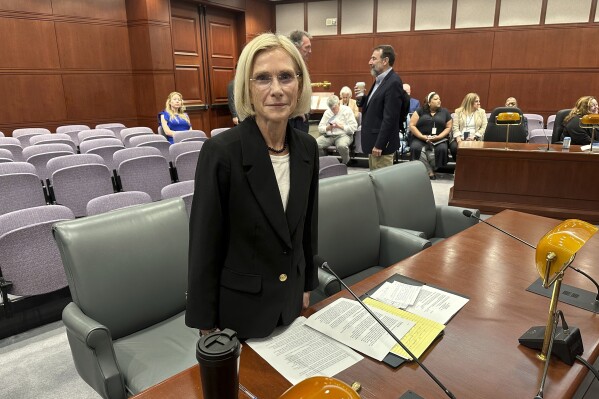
x=264, y=83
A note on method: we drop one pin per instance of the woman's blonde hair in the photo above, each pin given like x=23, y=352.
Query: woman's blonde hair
x=245, y=66
x=581, y=108
x=468, y=103
x=171, y=112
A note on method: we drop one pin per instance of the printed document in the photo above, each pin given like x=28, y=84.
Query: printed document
x=347, y=322
x=437, y=305
x=298, y=352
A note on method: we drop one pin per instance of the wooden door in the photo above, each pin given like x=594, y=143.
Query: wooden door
x=205, y=52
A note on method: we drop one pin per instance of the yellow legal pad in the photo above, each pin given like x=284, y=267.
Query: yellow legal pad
x=419, y=337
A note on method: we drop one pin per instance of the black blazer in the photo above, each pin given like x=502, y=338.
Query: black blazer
x=249, y=261
x=381, y=120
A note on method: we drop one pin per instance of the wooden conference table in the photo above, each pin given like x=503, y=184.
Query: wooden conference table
x=558, y=184
x=479, y=355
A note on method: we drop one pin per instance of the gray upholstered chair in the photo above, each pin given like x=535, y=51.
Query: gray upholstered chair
x=127, y=273
x=14, y=146
x=350, y=237
x=20, y=187
x=71, y=128
x=189, y=135
x=405, y=199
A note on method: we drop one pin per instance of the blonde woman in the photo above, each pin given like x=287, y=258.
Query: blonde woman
x=580, y=136
x=254, y=219
x=173, y=118
x=469, y=122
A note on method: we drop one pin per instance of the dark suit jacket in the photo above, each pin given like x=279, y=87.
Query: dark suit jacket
x=249, y=261
x=381, y=120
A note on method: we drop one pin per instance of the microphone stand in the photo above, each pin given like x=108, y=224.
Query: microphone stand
x=469, y=214
x=325, y=266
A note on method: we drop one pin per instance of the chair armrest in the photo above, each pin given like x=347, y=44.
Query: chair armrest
x=398, y=244
x=327, y=283
x=93, y=353
x=451, y=220
x=413, y=232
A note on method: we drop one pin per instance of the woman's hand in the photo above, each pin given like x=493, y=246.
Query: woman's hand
x=306, y=301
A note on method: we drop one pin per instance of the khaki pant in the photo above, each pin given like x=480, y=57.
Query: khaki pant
x=380, y=162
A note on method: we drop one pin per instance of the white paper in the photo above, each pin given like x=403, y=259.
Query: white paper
x=314, y=102
x=299, y=352
x=436, y=305
x=347, y=322
x=397, y=294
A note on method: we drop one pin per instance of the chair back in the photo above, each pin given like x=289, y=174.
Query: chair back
x=184, y=146
x=39, y=155
x=14, y=146
x=535, y=121
x=20, y=187
x=189, y=135
x=115, y=127
x=540, y=136
x=348, y=235
x=557, y=134
x=6, y=155
x=218, y=130
x=498, y=132
x=134, y=152
x=132, y=259
x=332, y=170
x=29, y=255
x=128, y=133
x=186, y=165
x=71, y=128
x=405, y=198
x=53, y=138
x=550, y=122
x=94, y=134
x=327, y=160
x=24, y=135
x=183, y=189
x=111, y=202
x=148, y=173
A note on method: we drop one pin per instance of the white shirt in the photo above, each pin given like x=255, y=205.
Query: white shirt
x=345, y=116
x=280, y=164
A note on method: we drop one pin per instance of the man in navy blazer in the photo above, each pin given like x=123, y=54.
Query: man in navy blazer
x=384, y=109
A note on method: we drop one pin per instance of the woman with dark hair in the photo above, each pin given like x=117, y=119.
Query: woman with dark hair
x=254, y=217
x=584, y=106
x=430, y=126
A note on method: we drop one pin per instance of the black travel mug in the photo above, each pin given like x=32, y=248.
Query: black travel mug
x=218, y=356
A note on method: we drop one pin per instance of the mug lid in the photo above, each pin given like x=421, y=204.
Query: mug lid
x=219, y=345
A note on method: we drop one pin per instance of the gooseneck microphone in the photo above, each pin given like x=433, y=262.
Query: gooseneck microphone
x=325, y=266
x=469, y=214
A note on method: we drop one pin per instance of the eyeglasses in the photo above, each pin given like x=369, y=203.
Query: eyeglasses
x=511, y=104
x=265, y=80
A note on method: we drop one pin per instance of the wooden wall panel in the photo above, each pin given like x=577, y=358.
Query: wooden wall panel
x=98, y=47
x=31, y=100
x=153, y=10
x=259, y=18
x=104, y=9
x=441, y=51
x=103, y=96
x=185, y=35
x=151, y=47
x=330, y=54
x=37, y=6
x=151, y=92
x=187, y=82
x=543, y=93
x=28, y=44
x=220, y=79
x=555, y=47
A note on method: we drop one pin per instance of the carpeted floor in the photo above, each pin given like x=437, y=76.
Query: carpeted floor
x=38, y=363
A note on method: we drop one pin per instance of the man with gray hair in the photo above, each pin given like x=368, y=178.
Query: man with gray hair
x=302, y=41
x=337, y=127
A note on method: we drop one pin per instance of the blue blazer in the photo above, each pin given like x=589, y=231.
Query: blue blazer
x=381, y=120
x=249, y=260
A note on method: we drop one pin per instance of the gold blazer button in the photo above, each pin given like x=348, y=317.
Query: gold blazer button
x=283, y=277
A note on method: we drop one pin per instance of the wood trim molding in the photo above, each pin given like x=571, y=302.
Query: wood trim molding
x=593, y=11
x=543, y=13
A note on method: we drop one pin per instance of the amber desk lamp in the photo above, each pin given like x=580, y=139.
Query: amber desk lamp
x=555, y=252
x=590, y=121
x=508, y=118
x=325, y=85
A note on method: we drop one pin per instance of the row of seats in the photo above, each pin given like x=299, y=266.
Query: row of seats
x=73, y=180
x=156, y=308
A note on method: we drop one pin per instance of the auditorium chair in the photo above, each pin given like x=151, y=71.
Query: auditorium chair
x=350, y=237
x=6, y=155
x=405, y=200
x=71, y=128
x=497, y=132
x=152, y=140
x=127, y=273
x=558, y=126
x=20, y=187
x=189, y=135
x=332, y=170
x=61, y=138
x=182, y=189
x=130, y=132
x=14, y=146
x=114, y=201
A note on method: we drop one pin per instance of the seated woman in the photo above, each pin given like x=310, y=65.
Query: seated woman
x=345, y=93
x=337, y=127
x=584, y=106
x=469, y=123
x=430, y=126
x=173, y=118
